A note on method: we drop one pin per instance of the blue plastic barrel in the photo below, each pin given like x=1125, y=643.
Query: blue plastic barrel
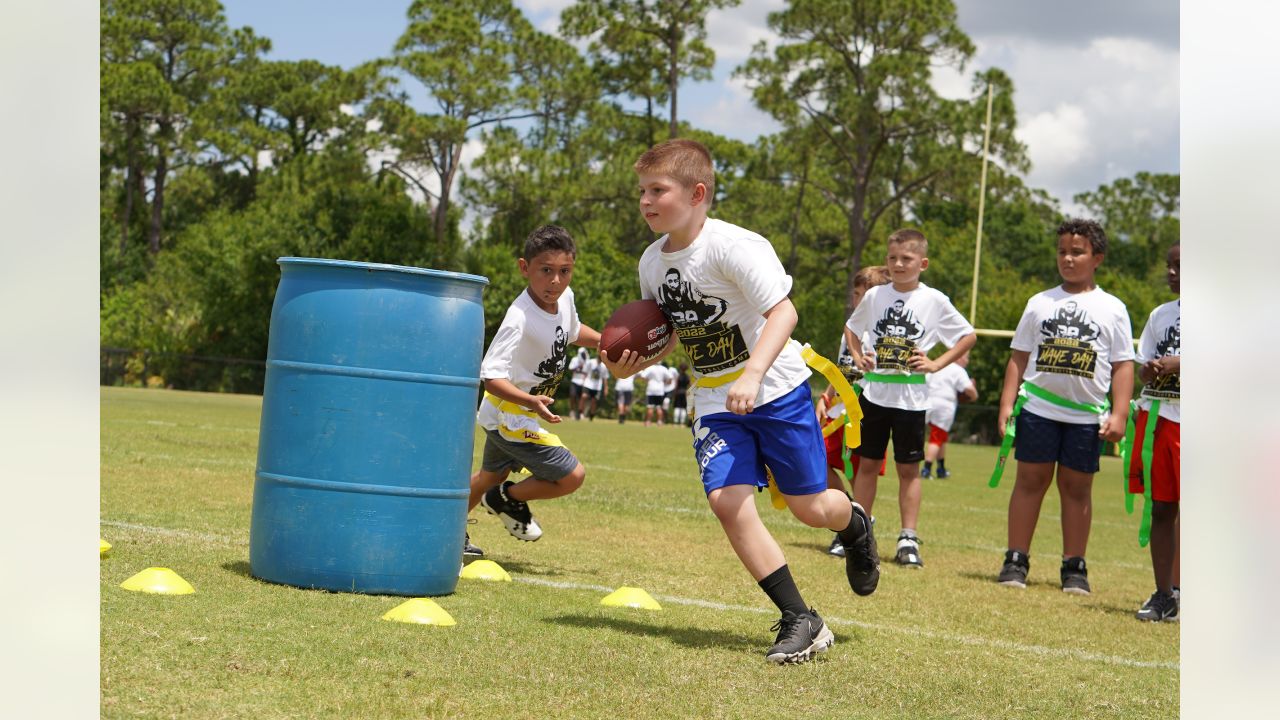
x=368, y=415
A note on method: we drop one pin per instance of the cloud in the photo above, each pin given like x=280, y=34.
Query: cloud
x=724, y=107
x=1057, y=140
x=1071, y=23
x=732, y=32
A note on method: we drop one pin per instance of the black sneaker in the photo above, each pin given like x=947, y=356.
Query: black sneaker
x=799, y=638
x=837, y=547
x=1075, y=577
x=1014, y=572
x=908, y=552
x=513, y=513
x=926, y=472
x=943, y=473
x=469, y=551
x=1160, y=607
x=861, y=560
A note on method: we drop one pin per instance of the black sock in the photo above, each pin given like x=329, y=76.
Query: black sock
x=782, y=590
x=853, y=531
x=942, y=465
x=929, y=466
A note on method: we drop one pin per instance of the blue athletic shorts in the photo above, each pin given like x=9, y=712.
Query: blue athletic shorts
x=1041, y=440
x=782, y=434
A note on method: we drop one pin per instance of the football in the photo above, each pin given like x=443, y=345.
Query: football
x=638, y=326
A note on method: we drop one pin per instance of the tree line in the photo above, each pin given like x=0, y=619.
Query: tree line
x=216, y=160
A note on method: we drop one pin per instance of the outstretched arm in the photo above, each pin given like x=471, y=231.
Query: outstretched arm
x=629, y=364
x=587, y=337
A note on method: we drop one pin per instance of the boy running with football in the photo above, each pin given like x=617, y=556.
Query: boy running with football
x=726, y=294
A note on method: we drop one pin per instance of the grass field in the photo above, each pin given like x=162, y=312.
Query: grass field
x=177, y=483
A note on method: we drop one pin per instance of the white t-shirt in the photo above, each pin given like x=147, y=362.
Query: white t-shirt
x=655, y=378
x=673, y=375
x=892, y=325
x=1074, y=340
x=530, y=350
x=944, y=388
x=626, y=384
x=1162, y=337
x=594, y=379
x=578, y=367
x=715, y=293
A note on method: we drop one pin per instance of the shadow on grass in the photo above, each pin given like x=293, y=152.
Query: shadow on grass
x=990, y=578
x=690, y=637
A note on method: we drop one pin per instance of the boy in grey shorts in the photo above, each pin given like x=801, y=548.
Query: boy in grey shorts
x=521, y=370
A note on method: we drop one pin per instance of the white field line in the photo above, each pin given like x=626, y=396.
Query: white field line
x=199, y=461
x=169, y=532
x=165, y=423
x=1044, y=651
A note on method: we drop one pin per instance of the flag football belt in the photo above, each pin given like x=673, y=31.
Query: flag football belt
x=1025, y=391
x=912, y=379
x=851, y=420
x=1145, y=454
x=537, y=437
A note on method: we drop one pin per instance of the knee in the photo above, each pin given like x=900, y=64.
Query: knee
x=1164, y=513
x=573, y=480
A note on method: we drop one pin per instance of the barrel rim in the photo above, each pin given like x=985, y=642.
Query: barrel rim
x=383, y=267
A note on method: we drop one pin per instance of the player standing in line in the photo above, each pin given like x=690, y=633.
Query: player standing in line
x=726, y=294
x=1160, y=367
x=900, y=323
x=1082, y=346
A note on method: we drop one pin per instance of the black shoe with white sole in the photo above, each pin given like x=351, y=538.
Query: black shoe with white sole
x=800, y=637
x=513, y=513
x=1014, y=572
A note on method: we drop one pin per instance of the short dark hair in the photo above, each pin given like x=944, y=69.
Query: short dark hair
x=546, y=239
x=1088, y=229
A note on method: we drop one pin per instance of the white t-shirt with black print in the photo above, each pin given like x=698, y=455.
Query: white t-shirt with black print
x=1074, y=340
x=595, y=380
x=945, y=387
x=655, y=379
x=578, y=367
x=530, y=350
x=893, y=325
x=1162, y=337
x=715, y=293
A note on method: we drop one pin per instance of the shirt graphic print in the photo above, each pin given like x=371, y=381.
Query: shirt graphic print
x=897, y=333
x=712, y=344
x=1067, y=345
x=552, y=369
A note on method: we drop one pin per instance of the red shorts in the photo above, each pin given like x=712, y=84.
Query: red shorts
x=937, y=436
x=1166, y=459
x=835, y=453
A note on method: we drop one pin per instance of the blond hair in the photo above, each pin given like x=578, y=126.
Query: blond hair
x=871, y=276
x=688, y=162
x=908, y=236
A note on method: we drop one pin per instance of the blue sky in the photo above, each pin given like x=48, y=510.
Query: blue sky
x=1097, y=82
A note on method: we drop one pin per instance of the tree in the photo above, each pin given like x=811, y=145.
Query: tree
x=644, y=48
x=1140, y=215
x=160, y=59
x=852, y=80
x=464, y=54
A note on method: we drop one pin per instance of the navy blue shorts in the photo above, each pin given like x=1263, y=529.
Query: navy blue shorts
x=1040, y=440
x=783, y=434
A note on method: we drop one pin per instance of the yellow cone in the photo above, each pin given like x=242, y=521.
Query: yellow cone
x=423, y=611
x=631, y=597
x=484, y=570
x=162, y=581
x=103, y=547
